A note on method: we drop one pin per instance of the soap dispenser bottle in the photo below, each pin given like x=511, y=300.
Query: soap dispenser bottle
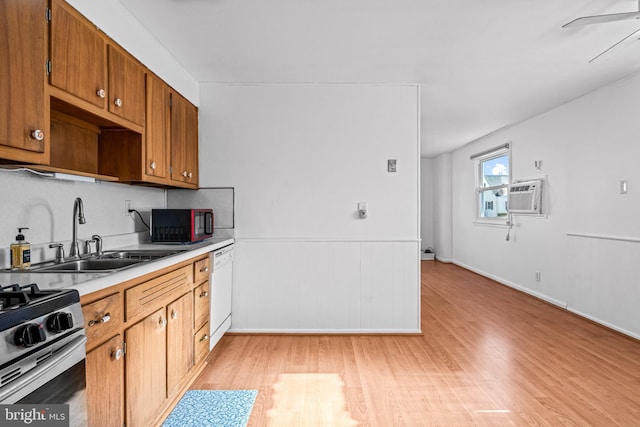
x=20, y=252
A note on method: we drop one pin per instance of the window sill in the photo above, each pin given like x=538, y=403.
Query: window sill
x=499, y=223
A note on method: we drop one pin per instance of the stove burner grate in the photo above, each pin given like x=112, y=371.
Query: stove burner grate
x=16, y=296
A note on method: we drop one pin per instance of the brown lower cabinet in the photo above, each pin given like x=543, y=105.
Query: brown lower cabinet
x=142, y=352
x=105, y=384
x=146, y=368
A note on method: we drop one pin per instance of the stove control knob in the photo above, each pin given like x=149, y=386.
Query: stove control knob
x=29, y=335
x=59, y=322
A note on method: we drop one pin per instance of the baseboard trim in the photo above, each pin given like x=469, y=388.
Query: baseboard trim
x=324, y=331
x=546, y=298
x=560, y=304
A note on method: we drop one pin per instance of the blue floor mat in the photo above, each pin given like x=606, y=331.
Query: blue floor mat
x=212, y=408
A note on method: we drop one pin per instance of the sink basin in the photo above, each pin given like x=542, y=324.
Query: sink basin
x=109, y=261
x=141, y=254
x=90, y=265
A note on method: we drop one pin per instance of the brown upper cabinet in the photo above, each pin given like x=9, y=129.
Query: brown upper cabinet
x=184, y=142
x=24, y=105
x=169, y=154
x=73, y=100
x=78, y=55
x=157, y=131
x=85, y=64
x=126, y=86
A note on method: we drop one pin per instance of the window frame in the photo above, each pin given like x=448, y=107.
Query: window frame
x=479, y=160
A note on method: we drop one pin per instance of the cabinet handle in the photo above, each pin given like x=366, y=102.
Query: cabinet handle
x=204, y=337
x=204, y=294
x=118, y=102
x=204, y=269
x=101, y=93
x=174, y=314
x=117, y=355
x=163, y=322
x=104, y=319
x=37, y=134
x=153, y=165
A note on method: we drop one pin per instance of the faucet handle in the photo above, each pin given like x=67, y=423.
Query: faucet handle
x=87, y=246
x=96, y=238
x=59, y=251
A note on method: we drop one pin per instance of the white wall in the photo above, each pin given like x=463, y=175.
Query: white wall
x=300, y=157
x=426, y=203
x=46, y=206
x=442, y=207
x=118, y=23
x=587, y=146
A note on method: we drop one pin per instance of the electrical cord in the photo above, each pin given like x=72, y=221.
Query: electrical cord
x=145, y=224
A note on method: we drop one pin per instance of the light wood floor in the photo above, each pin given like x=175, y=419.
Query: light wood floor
x=489, y=356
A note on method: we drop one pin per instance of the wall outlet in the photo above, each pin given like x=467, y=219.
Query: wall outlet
x=127, y=206
x=537, y=276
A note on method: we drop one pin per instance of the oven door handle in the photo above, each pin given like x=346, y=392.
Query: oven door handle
x=72, y=353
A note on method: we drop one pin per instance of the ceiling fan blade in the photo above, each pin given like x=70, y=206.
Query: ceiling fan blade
x=599, y=19
x=607, y=50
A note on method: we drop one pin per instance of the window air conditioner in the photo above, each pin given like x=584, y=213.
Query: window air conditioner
x=525, y=197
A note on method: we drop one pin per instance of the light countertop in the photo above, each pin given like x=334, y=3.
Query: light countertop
x=86, y=283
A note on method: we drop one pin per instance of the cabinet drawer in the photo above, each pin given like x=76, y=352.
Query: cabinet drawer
x=201, y=297
x=201, y=270
x=102, y=318
x=147, y=297
x=201, y=343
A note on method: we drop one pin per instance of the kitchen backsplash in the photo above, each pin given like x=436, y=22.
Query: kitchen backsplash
x=45, y=206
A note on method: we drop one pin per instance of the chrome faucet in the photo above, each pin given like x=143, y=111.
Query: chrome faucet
x=78, y=210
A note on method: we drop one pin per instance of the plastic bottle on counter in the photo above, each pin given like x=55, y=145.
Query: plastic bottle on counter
x=20, y=252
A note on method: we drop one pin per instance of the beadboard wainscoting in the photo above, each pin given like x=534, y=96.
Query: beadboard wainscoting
x=326, y=286
x=603, y=272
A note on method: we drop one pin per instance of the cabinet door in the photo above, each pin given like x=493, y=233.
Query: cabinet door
x=22, y=85
x=184, y=142
x=126, y=86
x=179, y=342
x=146, y=363
x=201, y=305
x=105, y=384
x=78, y=55
x=157, y=129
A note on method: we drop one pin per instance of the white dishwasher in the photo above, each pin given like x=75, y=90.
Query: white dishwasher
x=221, y=288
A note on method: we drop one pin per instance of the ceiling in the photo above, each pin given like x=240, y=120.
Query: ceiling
x=481, y=65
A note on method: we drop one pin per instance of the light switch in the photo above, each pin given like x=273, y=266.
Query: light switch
x=362, y=209
x=391, y=165
x=623, y=187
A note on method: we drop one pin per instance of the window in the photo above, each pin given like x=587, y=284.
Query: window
x=492, y=186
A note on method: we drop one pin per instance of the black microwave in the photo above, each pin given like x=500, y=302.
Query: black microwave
x=181, y=225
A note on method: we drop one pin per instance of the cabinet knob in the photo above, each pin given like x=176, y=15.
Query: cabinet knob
x=204, y=294
x=118, y=102
x=153, y=165
x=101, y=93
x=163, y=322
x=190, y=175
x=184, y=174
x=37, y=134
x=117, y=355
x=204, y=337
x=174, y=314
x=104, y=319
x=204, y=269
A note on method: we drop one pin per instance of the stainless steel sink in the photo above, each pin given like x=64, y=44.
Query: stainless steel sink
x=109, y=261
x=89, y=265
x=141, y=254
